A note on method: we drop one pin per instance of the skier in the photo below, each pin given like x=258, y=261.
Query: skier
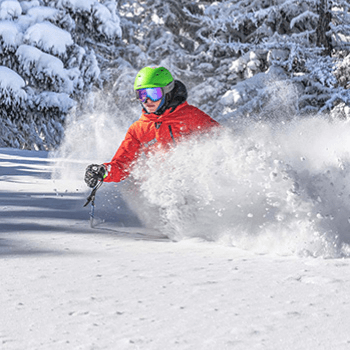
x=165, y=120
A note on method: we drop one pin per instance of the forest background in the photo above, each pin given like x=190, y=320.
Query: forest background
x=61, y=60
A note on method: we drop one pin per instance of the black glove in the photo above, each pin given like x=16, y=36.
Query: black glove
x=93, y=174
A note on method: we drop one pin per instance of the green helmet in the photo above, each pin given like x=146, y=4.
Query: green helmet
x=149, y=77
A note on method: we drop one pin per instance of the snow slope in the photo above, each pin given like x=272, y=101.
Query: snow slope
x=66, y=286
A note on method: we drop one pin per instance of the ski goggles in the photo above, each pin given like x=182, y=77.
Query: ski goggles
x=154, y=93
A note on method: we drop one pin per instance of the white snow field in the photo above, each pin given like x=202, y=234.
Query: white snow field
x=258, y=255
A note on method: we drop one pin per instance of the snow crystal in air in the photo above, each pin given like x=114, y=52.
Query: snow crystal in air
x=251, y=188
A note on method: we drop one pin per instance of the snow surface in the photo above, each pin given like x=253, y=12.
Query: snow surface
x=245, y=278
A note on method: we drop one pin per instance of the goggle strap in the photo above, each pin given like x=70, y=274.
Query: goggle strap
x=168, y=87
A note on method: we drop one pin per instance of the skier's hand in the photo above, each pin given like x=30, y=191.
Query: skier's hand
x=93, y=174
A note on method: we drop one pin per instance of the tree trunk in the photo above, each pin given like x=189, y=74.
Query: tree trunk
x=325, y=17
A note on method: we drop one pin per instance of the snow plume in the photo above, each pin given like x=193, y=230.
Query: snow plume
x=90, y=138
x=272, y=188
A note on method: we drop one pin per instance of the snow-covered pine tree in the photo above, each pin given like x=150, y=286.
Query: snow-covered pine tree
x=153, y=34
x=254, y=44
x=340, y=29
x=50, y=48
x=165, y=33
x=236, y=55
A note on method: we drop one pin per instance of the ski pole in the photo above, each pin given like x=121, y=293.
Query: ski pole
x=91, y=199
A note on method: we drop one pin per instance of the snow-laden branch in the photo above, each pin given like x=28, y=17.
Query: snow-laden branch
x=11, y=87
x=305, y=16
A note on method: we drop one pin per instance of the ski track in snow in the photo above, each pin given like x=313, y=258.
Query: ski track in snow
x=66, y=286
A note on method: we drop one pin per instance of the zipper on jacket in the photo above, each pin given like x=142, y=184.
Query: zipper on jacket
x=171, y=134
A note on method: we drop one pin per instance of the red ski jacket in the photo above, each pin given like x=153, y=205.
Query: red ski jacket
x=153, y=131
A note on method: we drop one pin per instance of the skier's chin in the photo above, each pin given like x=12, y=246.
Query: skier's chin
x=151, y=108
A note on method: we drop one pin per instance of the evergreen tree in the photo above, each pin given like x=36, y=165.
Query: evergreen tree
x=233, y=53
x=235, y=57
x=50, y=46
